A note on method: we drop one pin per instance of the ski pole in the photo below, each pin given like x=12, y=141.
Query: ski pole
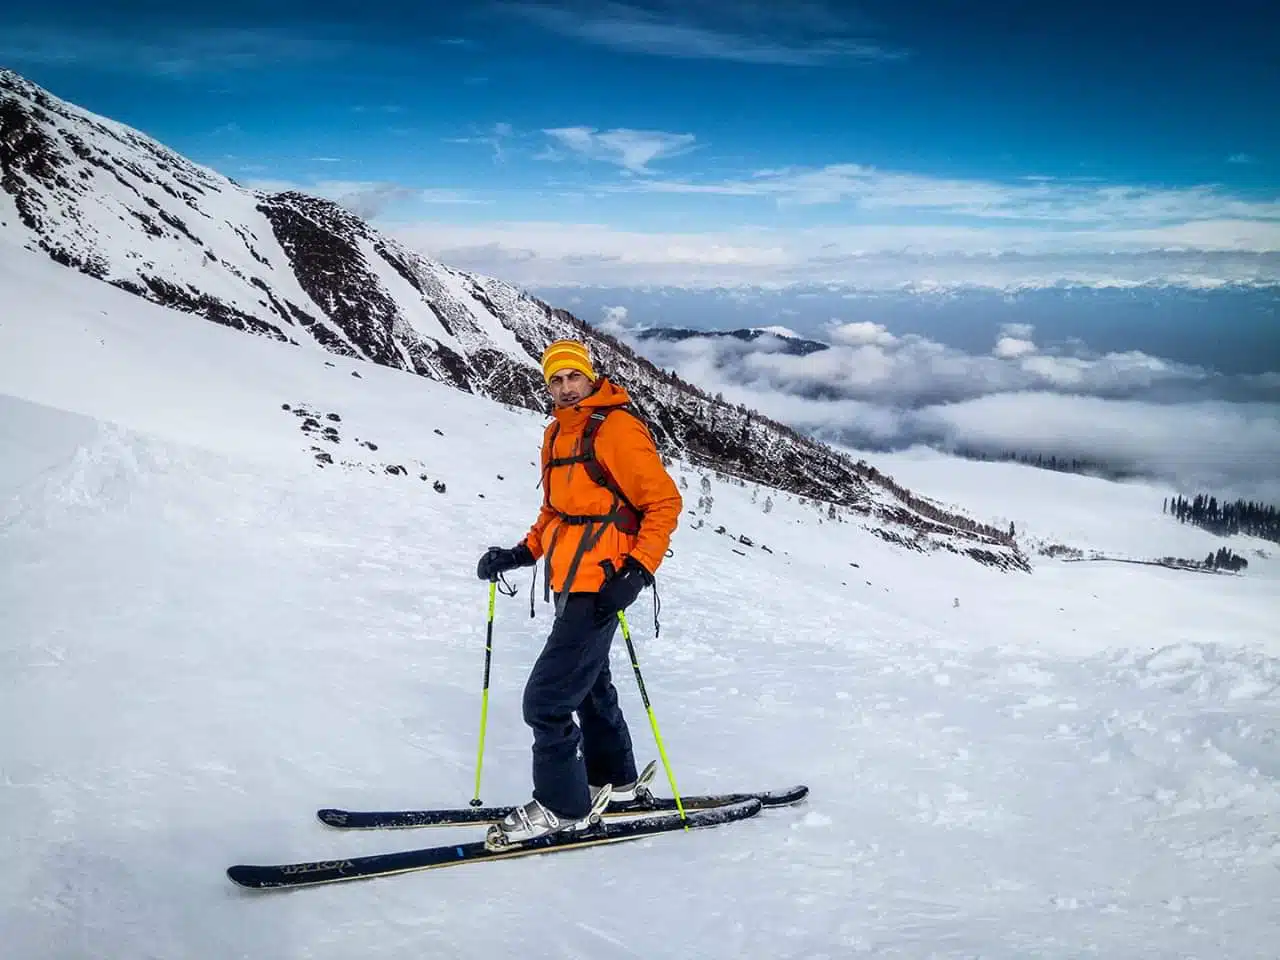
x=653, y=721
x=484, y=695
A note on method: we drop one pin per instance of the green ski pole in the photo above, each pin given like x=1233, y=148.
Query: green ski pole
x=653, y=721
x=484, y=696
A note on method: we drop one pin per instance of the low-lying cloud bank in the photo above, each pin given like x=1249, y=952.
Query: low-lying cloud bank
x=1126, y=413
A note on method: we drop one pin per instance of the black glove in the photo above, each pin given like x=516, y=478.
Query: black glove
x=498, y=560
x=621, y=589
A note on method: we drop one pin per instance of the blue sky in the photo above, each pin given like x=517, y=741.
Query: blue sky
x=724, y=143
x=1072, y=206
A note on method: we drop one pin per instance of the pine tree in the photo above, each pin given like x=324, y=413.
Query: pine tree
x=1228, y=518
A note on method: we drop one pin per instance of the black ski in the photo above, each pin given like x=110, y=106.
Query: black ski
x=409, y=819
x=385, y=864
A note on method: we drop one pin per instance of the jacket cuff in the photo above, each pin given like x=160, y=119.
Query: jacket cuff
x=644, y=569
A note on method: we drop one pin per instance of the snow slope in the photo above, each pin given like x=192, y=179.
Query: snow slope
x=205, y=635
x=1052, y=507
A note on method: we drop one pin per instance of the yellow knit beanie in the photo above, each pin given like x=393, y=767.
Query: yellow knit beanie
x=566, y=355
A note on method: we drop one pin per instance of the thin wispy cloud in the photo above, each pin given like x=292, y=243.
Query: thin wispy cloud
x=167, y=52
x=632, y=150
x=448, y=196
x=1039, y=199
x=1242, y=158
x=791, y=34
x=496, y=137
x=368, y=199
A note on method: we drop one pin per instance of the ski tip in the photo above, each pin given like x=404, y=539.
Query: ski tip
x=332, y=818
x=243, y=876
x=779, y=798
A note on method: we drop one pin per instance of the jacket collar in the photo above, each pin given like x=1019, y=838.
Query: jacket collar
x=606, y=394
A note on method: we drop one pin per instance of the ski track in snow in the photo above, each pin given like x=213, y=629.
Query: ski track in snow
x=200, y=644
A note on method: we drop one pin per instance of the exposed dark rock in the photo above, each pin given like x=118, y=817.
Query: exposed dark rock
x=163, y=292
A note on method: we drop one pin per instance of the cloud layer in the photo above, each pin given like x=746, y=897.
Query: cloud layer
x=1205, y=253
x=798, y=33
x=858, y=226
x=168, y=52
x=1128, y=412
x=1038, y=199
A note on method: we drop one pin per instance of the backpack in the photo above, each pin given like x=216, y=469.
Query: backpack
x=624, y=513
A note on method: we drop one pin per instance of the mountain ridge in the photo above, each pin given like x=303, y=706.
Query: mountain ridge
x=107, y=200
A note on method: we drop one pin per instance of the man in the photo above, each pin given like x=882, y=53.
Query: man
x=602, y=539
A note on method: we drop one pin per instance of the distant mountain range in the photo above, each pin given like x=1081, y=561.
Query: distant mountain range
x=790, y=343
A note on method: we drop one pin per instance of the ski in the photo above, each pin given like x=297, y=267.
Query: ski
x=262, y=877
x=643, y=804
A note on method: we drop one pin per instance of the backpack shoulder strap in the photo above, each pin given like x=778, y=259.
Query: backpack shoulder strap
x=549, y=435
x=597, y=470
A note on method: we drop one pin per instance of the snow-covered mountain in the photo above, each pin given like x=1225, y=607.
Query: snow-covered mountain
x=204, y=638
x=115, y=204
x=103, y=198
x=791, y=342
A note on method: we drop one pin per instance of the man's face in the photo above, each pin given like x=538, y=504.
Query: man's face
x=569, y=387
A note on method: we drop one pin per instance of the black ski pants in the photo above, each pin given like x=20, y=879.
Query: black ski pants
x=572, y=674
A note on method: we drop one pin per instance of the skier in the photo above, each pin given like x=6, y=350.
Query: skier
x=608, y=512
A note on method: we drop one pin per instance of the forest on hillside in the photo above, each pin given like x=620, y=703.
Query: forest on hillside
x=1227, y=518
x=1081, y=465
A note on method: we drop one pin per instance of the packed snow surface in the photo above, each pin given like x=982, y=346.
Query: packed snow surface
x=205, y=635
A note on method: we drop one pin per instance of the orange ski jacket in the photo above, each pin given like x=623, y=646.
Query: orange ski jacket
x=581, y=528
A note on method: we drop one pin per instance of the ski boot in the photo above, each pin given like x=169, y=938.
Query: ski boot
x=533, y=820
x=638, y=789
